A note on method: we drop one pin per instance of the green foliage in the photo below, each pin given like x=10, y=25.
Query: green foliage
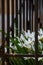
x=41, y=62
x=21, y=61
x=22, y=50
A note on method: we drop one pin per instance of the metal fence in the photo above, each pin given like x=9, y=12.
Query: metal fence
x=26, y=25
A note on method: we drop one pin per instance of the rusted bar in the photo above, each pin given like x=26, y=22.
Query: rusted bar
x=16, y=17
x=17, y=55
x=20, y=16
x=24, y=14
x=20, y=55
x=8, y=24
x=12, y=18
x=36, y=32
x=3, y=29
x=8, y=27
x=30, y=14
x=27, y=14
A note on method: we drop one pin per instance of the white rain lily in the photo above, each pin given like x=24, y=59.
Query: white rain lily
x=40, y=32
x=14, y=47
x=31, y=35
x=20, y=44
x=29, y=41
x=26, y=42
x=18, y=39
x=42, y=52
x=39, y=37
x=27, y=46
x=22, y=37
x=28, y=31
x=26, y=35
x=40, y=44
x=33, y=39
x=5, y=50
x=33, y=46
x=39, y=58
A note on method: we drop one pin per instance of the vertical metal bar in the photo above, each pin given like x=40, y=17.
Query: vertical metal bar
x=24, y=14
x=16, y=17
x=36, y=31
x=8, y=24
x=20, y=16
x=8, y=28
x=30, y=13
x=3, y=26
x=13, y=18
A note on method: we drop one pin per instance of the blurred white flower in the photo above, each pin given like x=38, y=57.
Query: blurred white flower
x=26, y=42
x=29, y=41
x=39, y=37
x=27, y=46
x=20, y=44
x=26, y=35
x=42, y=52
x=40, y=44
x=22, y=37
x=39, y=58
x=33, y=46
x=40, y=32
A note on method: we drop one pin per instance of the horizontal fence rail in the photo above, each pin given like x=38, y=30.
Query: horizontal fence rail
x=20, y=55
x=24, y=21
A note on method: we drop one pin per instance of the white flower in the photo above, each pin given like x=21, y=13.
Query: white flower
x=29, y=41
x=18, y=39
x=20, y=44
x=39, y=37
x=22, y=37
x=27, y=46
x=26, y=35
x=33, y=46
x=5, y=50
x=39, y=58
x=26, y=42
x=28, y=31
x=40, y=32
x=33, y=38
